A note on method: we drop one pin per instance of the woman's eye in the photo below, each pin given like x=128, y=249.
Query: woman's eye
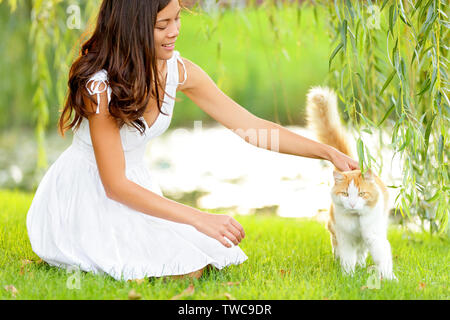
x=164, y=28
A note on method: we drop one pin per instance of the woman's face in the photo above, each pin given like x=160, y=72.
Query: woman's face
x=166, y=31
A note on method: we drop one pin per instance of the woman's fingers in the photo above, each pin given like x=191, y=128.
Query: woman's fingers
x=236, y=229
x=233, y=231
x=344, y=162
x=239, y=228
x=221, y=228
x=223, y=241
x=354, y=165
x=231, y=237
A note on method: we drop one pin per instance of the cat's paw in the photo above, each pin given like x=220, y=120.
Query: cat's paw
x=348, y=269
x=389, y=276
x=361, y=263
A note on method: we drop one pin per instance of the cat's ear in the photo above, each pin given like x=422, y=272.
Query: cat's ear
x=368, y=175
x=338, y=177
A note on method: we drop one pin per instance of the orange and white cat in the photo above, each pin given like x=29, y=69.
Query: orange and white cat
x=359, y=214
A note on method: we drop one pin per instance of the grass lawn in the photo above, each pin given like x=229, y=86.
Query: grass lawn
x=288, y=259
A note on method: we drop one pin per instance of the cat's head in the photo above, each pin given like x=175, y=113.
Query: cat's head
x=352, y=191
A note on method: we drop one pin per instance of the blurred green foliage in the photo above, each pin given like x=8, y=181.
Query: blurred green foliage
x=389, y=66
x=387, y=60
x=16, y=88
x=265, y=69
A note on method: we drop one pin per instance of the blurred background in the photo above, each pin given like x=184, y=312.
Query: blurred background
x=265, y=70
x=265, y=55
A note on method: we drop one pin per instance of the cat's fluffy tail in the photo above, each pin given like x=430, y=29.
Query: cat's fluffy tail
x=323, y=118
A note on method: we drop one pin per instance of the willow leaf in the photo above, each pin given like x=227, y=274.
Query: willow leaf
x=360, y=149
x=387, y=114
x=424, y=87
x=441, y=148
x=344, y=34
x=388, y=80
x=384, y=4
x=427, y=135
x=339, y=47
x=434, y=197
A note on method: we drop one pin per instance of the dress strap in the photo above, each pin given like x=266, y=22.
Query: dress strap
x=184, y=67
x=97, y=79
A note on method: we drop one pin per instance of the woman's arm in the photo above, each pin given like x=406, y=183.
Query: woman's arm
x=288, y=142
x=143, y=200
x=200, y=88
x=110, y=160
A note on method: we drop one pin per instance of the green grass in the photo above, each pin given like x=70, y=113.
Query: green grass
x=288, y=259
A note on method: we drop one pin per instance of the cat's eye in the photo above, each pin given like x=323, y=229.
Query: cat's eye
x=345, y=194
x=361, y=194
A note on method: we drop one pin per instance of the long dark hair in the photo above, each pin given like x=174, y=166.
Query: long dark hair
x=123, y=45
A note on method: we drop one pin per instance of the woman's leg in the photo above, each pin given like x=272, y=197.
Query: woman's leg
x=196, y=274
x=192, y=275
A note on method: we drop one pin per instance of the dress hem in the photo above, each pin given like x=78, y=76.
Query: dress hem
x=142, y=275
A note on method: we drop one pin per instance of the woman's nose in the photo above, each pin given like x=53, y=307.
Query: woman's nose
x=175, y=30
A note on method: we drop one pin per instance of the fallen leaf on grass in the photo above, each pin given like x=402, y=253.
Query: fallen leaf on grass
x=12, y=289
x=28, y=261
x=25, y=262
x=229, y=296
x=133, y=295
x=422, y=285
x=285, y=272
x=189, y=291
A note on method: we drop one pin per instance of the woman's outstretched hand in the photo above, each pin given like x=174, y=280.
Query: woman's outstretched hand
x=343, y=162
x=219, y=226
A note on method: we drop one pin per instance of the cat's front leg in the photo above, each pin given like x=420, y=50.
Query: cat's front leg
x=380, y=249
x=361, y=256
x=334, y=248
x=347, y=255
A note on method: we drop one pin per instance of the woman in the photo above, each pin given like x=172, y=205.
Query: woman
x=98, y=206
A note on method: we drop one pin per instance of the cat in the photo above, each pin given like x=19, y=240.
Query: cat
x=358, y=218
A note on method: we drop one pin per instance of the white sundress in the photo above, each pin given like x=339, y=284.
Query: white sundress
x=72, y=223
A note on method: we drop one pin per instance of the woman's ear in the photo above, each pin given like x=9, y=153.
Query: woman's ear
x=338, y=177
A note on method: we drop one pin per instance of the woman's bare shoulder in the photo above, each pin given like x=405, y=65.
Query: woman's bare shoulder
x=193, y=72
